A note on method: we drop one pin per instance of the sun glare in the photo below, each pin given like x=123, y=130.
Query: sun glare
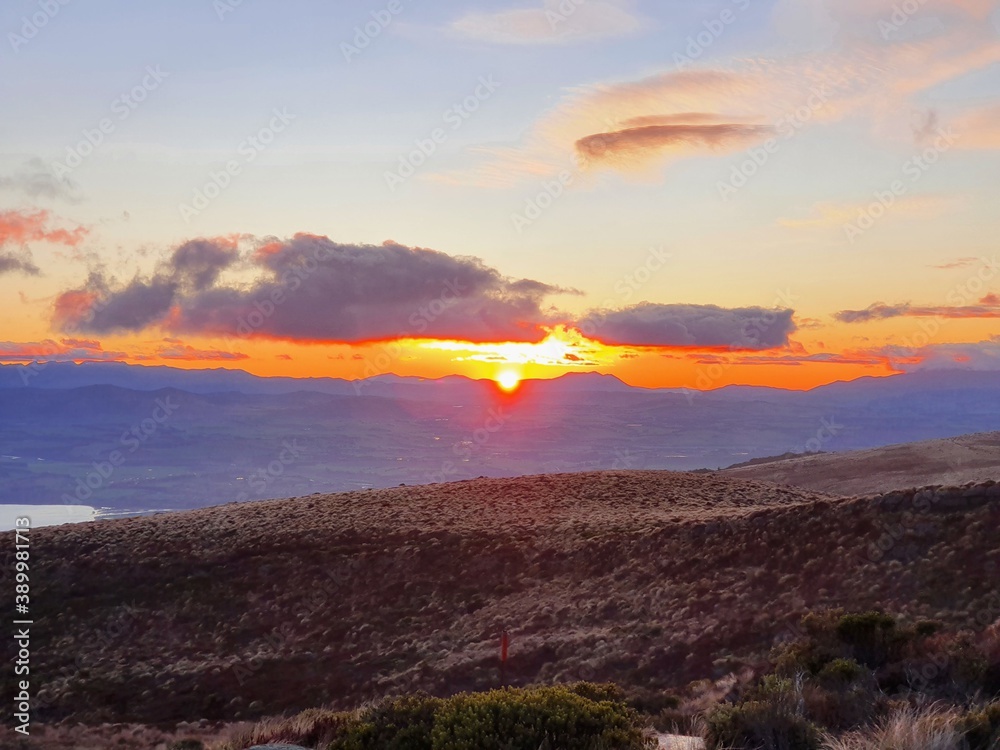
x=508, y=380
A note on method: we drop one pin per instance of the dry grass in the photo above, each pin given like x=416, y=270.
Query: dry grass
x=650, y=579
x=933, y=728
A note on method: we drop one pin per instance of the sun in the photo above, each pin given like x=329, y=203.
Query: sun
x=508, y=380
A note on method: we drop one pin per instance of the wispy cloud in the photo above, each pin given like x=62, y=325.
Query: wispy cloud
x=35, y=180
x=988, y=307
x=555, y=22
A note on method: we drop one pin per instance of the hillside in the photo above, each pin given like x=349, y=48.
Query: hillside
x=969, y=458
x=652, y=579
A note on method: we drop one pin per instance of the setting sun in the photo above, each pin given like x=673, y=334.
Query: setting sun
x=508, y=380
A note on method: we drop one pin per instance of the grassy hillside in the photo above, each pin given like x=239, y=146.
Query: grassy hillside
x=650, y=579
x=969, y=458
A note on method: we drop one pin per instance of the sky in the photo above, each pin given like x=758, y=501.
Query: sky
x=687, y=193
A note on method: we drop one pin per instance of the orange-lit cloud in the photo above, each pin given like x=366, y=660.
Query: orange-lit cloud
x=636, y=126
x=191, y=354
x=637, y=144
x=65, y=350
x=982, y=356
x=311, y=289
x=988, y=307
x=22, y=227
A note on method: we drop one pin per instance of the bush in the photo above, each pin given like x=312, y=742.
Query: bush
x=768, y=719
x=871, y=635
x=982, y=728
x=840, y=672
x=396, y=724
x=554, y=717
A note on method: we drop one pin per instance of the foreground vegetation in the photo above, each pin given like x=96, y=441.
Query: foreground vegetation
x=650, y=580
x=860, y=681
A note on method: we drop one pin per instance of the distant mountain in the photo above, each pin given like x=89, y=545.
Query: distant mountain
x=228, y=434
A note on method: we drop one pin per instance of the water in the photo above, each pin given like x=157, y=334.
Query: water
x=44, y=515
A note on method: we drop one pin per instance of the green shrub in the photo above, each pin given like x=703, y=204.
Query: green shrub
x=840, y=672
x=396, y=724
x=871, y=635
x=768, y=719
x=583, y=716
x=554, y=717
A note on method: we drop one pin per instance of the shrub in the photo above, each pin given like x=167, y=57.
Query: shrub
x=768, y=719
x=555, y=717
x=982, y=728
x=871, y=635
x=396, y=724
x=840, y=672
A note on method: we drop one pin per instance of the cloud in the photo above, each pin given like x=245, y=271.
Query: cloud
x=690, y=326
x=959, y=263
x=311, y=289
x=64, y=350
x=556, y=22
x=862, y=75
x=186, y=352
x=21, y=227
x=988, y=307
x=981, y=356
x=793, y=360
x=35, y=180
x=638, y=144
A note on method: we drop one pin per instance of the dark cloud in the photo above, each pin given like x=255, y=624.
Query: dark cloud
x=691, y=326
x=35, y=180
x=11, y=262
x=312, y=289
x=988, y=307
x=654, y=138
